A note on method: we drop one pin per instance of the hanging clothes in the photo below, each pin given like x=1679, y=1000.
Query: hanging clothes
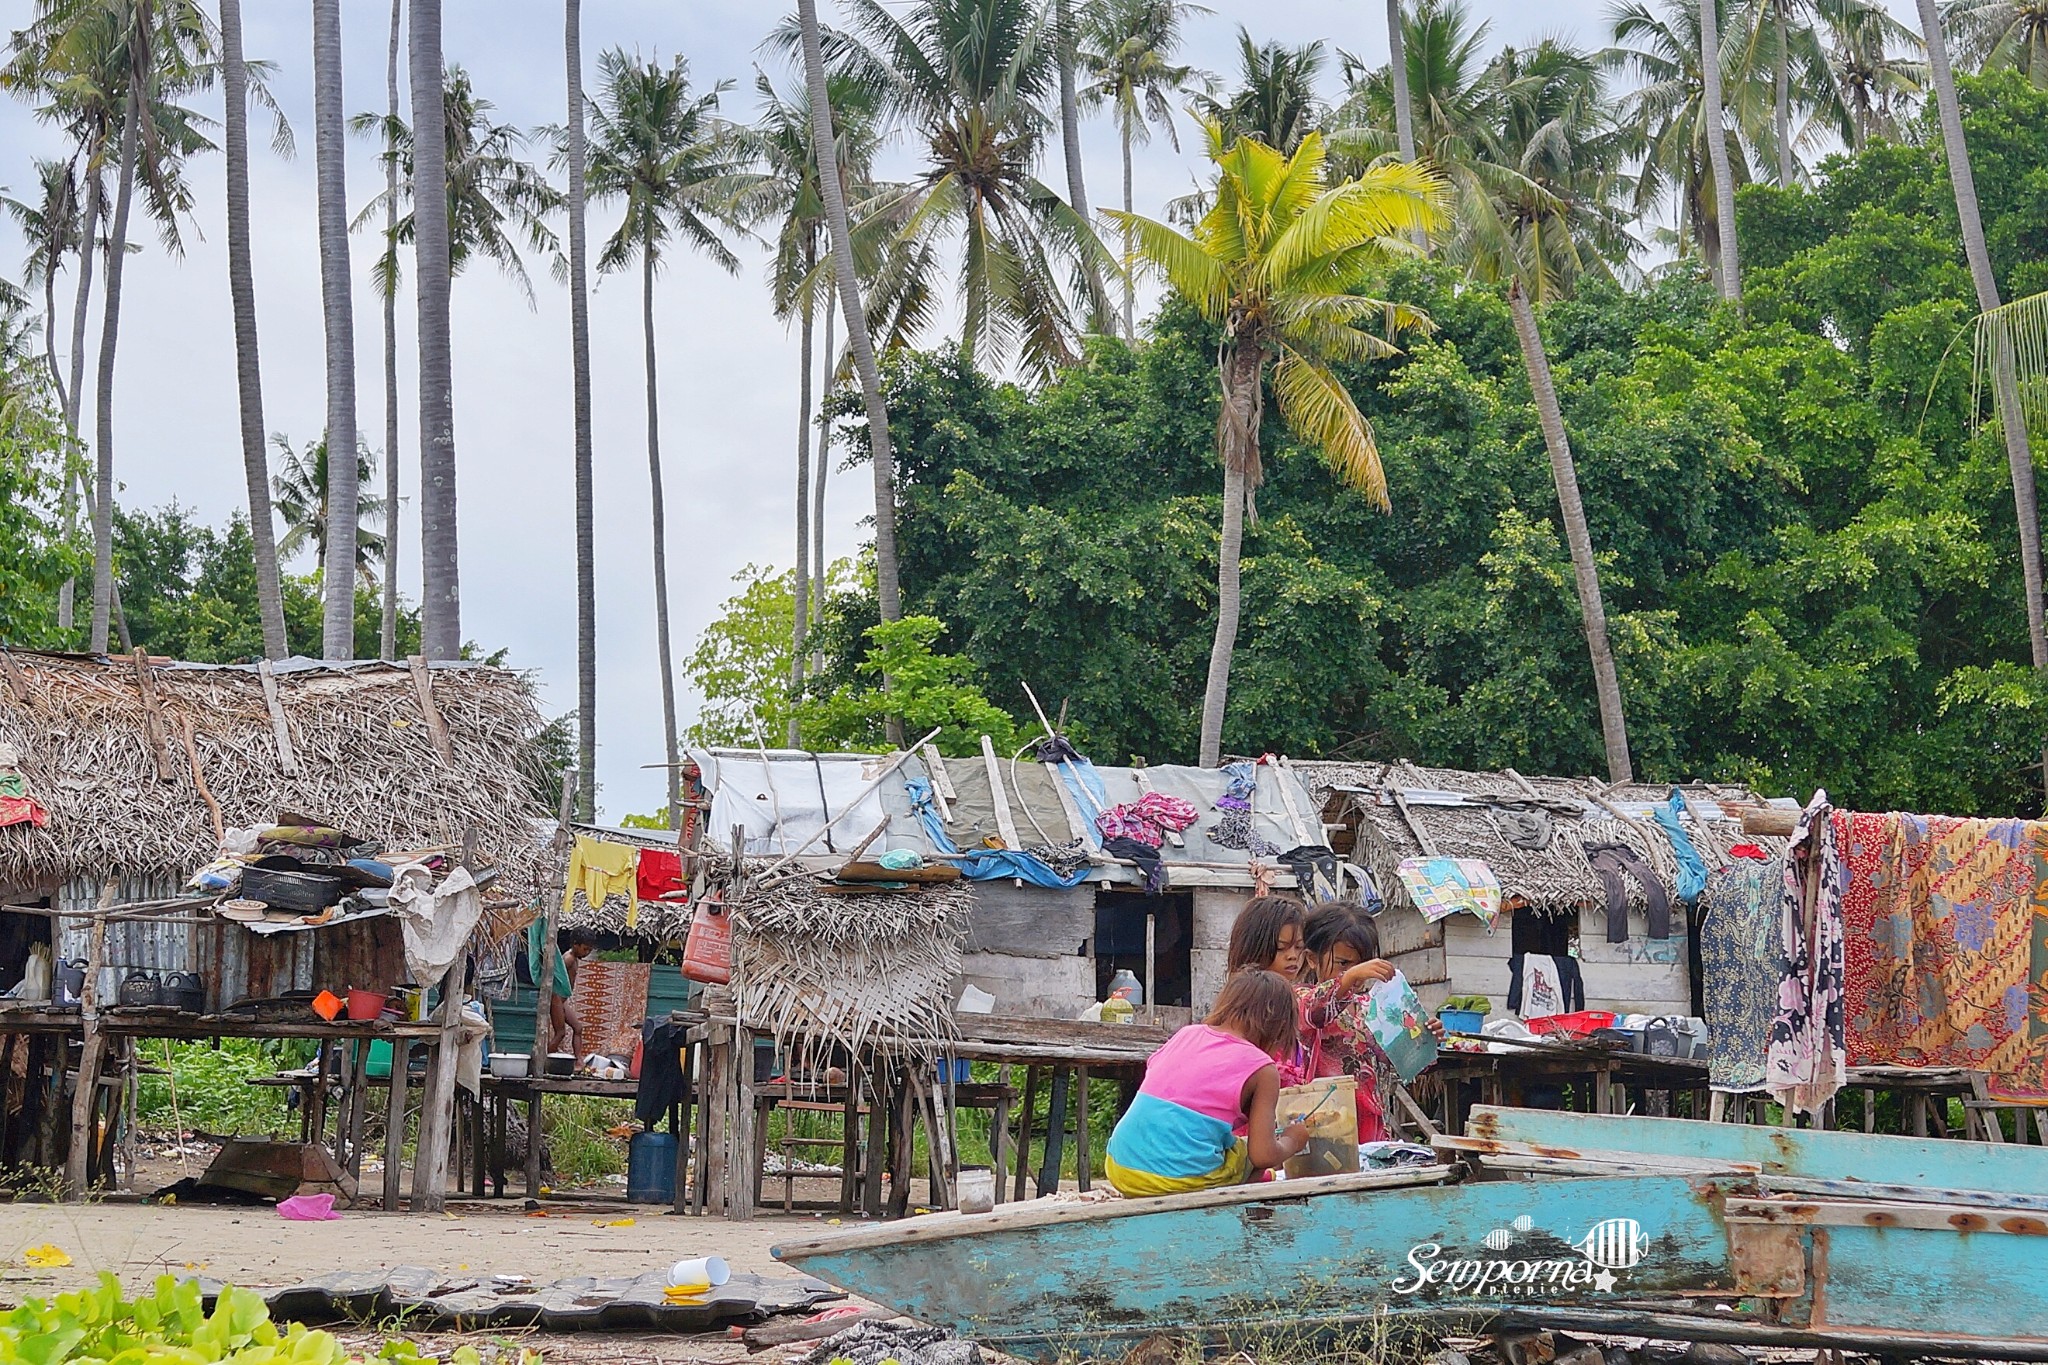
x=1440, y=887
x=1612, y=862
x=1741, y=964
x=1146, y=856
x=600, y=870
x=1804, y=1061
x=1540, y=984
x=1692, y=869
x=1315, y=871
x=1235, y=829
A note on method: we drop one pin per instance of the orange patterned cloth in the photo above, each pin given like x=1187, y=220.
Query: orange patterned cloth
x=611, y=999
x=1947, y=946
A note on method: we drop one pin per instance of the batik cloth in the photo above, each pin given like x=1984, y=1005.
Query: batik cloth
x=1947, y=928
x=1803, y=1062
x=1337, y=1040
x=611, y=1000
x=1741, y=963
x=1441, y=887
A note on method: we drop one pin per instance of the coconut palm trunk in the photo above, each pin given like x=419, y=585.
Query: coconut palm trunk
x=1781, y=95
x=242, y=293
x=387, y=626
x=801, y=615
x=2012, y=420
x=1064, y=36
x=586, y=487
x=1717, y=147
x=668, y=676
x=110, y=336
x=441, y=599
x=337, y=316
x=74, y=393
x=1237, y=442
x=1130, y=275
x=888, y=590
x=1585, y=572
x=1397, y=64
x=821, y=468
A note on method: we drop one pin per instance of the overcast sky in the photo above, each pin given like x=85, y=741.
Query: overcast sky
x=728, y=383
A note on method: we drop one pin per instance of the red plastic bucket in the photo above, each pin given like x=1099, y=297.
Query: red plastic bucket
x=364, y=1005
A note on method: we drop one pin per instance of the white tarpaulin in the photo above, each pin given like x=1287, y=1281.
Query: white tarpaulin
x=782, y=801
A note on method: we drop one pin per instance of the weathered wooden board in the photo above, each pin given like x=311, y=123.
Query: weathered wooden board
x=1058, y=987
x=1216, y=911
x=1038, y=1280
x=1904, y=1161
x=1030, y=921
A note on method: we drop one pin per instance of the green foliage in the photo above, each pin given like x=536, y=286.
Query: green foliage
x=927, y=689
x=213, y=1090
x=34, y=556
x=740, y=666
x=168, y=1326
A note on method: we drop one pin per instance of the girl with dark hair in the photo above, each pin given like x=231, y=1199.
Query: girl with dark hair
x=1209, y=1080
x=1268, y=936
x=1343, y=946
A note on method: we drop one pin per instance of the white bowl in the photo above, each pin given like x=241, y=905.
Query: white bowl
x=512, y=1066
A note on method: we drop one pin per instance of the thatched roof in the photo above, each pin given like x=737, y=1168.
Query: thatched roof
x=1458, y=814
x=103, y=745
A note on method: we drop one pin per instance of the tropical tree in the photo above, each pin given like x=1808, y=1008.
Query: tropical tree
x=242, y=294
x=330, y=129
x=1275, y=100
x=1999, y=35
x=1877, y=83
x=575, y=161
x=1127, y=49
x=434, y=255
x=1067, y=20
x=681, y=170
x=1711, y=111
x=2012, y=420
x=387, y=626
x=304, y=491
x=972, y=78
x=50, y=225
x=1536, y=210
x=845, y=275
x=1666, y=116
x=1799, y=41
x=1445, y=58
x=1278, y=261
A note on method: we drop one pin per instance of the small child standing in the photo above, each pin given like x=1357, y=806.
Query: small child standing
x=1344, y=952
x=1267, y=935
x=1178, y=1136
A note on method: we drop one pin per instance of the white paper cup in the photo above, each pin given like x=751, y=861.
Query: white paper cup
x=977, y=1192
x=711, y=1270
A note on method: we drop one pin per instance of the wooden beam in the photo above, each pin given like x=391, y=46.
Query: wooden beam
x=1077, y=826
x=437, y=1104
x=942, y=782
x=279, y=731
x=423, y=689
x=153, y=717
x=220, y=832
x=1006, y=826
x=17, y=683
x=544, y=977
x=78, y=1161
x=1770, y=820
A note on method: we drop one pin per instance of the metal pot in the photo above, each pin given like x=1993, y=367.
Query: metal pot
x=185, y=991
x=141, y=987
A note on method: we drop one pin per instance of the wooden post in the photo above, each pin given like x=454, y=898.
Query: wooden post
x=279, y=730
x=717, y=1104
x=437, y=1103
x=1151, y=963
x=1055, y=1134
x=999, y=1132
x=78, y=1161
x=543, y=982
x=904, y=1146
x=1006, y=826
x=849, y=1139
x=358, y=1101
x=877, y=1158
x=1084, y=1160
x=423, y=690
x=1023, y=1162
x=743, y=1175
x=394, y=1121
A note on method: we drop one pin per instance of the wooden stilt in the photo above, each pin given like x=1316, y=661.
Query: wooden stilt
x=1083, y=1159
x=849, y=1144
x=358, y=1101
x=437, y=1104
x=878, y=1144
x=394, y=1121
x=999, y=1134
x=1024, y=1129
x=77, y=1162
x=1055, y=1134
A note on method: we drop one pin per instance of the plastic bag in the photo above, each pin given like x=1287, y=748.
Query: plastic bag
x=1330, y=1105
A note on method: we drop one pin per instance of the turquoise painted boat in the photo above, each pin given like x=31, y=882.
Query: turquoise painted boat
x=1643, y=1226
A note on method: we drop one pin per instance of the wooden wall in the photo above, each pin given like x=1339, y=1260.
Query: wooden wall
x=1640, y=976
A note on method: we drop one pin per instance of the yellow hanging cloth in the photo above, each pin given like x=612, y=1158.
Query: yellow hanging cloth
x=598, y=869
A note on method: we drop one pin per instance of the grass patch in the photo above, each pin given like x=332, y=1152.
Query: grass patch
x=580, y=1147
x=212, y=1084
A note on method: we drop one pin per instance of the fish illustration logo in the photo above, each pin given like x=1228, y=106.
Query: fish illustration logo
x=1498, y=1239
x=1523, y=1224
x=1615, y=1244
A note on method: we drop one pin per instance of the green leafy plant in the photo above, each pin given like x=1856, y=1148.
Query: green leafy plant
x=169, y=1326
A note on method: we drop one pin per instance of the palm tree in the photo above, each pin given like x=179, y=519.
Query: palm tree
x=433, y=252
x=1397, y=67
x=1127, y=49
x=972, y=77
x=304, y=489
x=1877, y=85
x=1446, y=71
x=1276, y=99
x=387, y=628
x=1066, y=33
x=680, y=171
x=2003, y=35
x=2005, y=386
x=1277, y=261
x=1666, y=115
x=579, y=371
x=1535, y=211
x=330, y=128
x=50, y=226
x=1796, y=40
x=1711, y=108
x=825, y=147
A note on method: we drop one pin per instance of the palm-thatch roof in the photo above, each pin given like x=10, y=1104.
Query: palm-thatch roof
x=139, y=763
x=1397, y=810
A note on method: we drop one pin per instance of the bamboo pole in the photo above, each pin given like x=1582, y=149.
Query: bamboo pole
x=543, y=986
x=78, y=1161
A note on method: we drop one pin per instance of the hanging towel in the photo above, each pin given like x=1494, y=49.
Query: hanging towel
x=1440, y=887
x=1804, y=1063
x=1692, y=869
x=1610, y=863
x=658, y=872
x=600, y=871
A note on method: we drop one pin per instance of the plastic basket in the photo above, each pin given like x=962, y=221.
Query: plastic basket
x=1577, y=1022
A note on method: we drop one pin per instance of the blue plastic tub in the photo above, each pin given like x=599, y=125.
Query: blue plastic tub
x=1461, y=1021
x=963, y=1071
x=651, y=1169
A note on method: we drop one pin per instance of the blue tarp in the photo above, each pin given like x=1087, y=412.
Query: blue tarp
x=985, y=864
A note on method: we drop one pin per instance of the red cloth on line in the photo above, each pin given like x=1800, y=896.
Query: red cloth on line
x=659, y=871
x=22, y=810
x=1748, y=851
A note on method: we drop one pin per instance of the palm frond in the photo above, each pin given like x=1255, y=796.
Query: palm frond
x=2012, y=340
x=1185, y=263
x=1318, y=409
